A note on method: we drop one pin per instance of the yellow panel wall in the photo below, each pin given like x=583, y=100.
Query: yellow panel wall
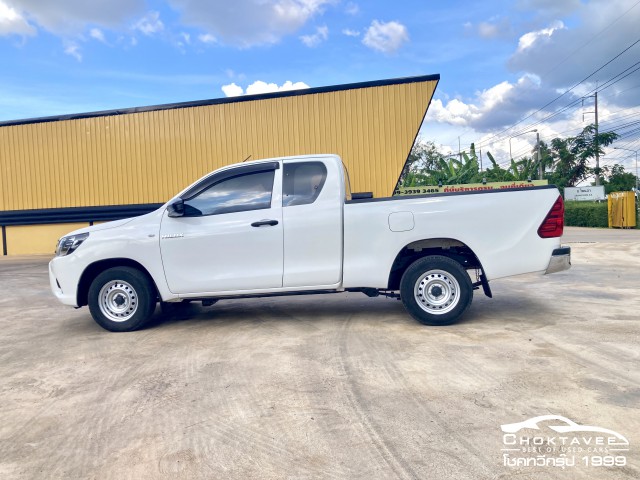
x=147, y=157
x=622, y=210
x=35, y=239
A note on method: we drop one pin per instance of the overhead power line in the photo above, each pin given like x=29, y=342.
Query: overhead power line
x=565, y=92
x=615, y=79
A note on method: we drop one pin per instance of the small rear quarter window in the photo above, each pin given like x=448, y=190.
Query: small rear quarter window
x=302, y=182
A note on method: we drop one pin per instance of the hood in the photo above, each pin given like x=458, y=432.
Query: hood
x=102, y=226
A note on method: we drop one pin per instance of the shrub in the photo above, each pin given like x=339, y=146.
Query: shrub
x=586, y=214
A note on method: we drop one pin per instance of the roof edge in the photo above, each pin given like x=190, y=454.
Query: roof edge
x=219, y=101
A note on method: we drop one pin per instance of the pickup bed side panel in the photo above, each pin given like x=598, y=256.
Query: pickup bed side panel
x=500, y=227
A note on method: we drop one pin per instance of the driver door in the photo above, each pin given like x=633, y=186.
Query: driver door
x=230, y=237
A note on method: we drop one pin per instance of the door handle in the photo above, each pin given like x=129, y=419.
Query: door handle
x=271, y=223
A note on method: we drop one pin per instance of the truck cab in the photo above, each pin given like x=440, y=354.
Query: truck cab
x=257, y=227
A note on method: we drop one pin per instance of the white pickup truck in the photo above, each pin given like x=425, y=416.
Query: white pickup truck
x=289, y=226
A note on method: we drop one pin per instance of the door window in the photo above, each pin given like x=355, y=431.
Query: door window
x=251, y=191
x=302, y=182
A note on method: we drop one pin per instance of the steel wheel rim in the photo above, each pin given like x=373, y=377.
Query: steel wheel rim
x=118, y=301
x=437, y=292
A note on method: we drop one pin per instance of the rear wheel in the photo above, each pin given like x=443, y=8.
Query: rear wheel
x=122, y=299
x=436, y=290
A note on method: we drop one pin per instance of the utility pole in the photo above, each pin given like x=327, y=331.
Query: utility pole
x=459, y=151
x=597, y=148
x=481, y=160
x=540, y=169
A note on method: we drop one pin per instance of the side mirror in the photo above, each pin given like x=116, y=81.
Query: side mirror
x=176, y=209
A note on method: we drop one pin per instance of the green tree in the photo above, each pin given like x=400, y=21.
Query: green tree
x=565, y=162
x=586, y=144
x=571, y=156
x=524, y=169
x=617, y=180
x=495, y=173
x=451, y=171
x=424, y=157
x=427, y=166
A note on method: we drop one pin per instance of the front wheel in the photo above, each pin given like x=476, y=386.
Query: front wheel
x=122, y=299
x=436, y=290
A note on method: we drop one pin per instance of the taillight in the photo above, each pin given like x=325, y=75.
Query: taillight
x=554, y=222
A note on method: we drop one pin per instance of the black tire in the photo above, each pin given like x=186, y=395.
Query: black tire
x=122, y=299
x=436, y=290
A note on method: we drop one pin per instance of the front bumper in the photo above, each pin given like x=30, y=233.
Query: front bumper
x=560, y=260
x=66, y=296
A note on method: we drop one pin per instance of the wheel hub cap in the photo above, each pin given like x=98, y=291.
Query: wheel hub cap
x=118, y=300
x=437, y=292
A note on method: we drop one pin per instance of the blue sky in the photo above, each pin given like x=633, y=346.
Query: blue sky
x=498, y=60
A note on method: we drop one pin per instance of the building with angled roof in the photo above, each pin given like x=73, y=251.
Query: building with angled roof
x=65, y=172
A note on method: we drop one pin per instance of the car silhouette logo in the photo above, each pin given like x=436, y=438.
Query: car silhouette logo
x=569, y=427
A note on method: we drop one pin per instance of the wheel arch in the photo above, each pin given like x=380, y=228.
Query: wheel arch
x=96, y=268
x=447, y=247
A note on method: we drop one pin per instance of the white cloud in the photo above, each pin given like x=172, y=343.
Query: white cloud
x=529, y=39
x=322, y=33
x=258, y=87
x=73, y=49
x=495, y=107
x=288, y=85
x=232, y=90
x=455, y=112
x=351, y=33
x=97, y=34
x=13, y=23
x=249, y=22
x=186, y=38
x=70, y=17
x=385, y=37
x=245, y=23
x=149, y=24
x=207, y=38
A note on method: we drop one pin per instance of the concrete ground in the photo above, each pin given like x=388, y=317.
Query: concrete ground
x=335, y=386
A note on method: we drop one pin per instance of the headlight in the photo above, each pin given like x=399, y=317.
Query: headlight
x=67, y=245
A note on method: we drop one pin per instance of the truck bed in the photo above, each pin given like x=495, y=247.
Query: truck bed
x=499, y=226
